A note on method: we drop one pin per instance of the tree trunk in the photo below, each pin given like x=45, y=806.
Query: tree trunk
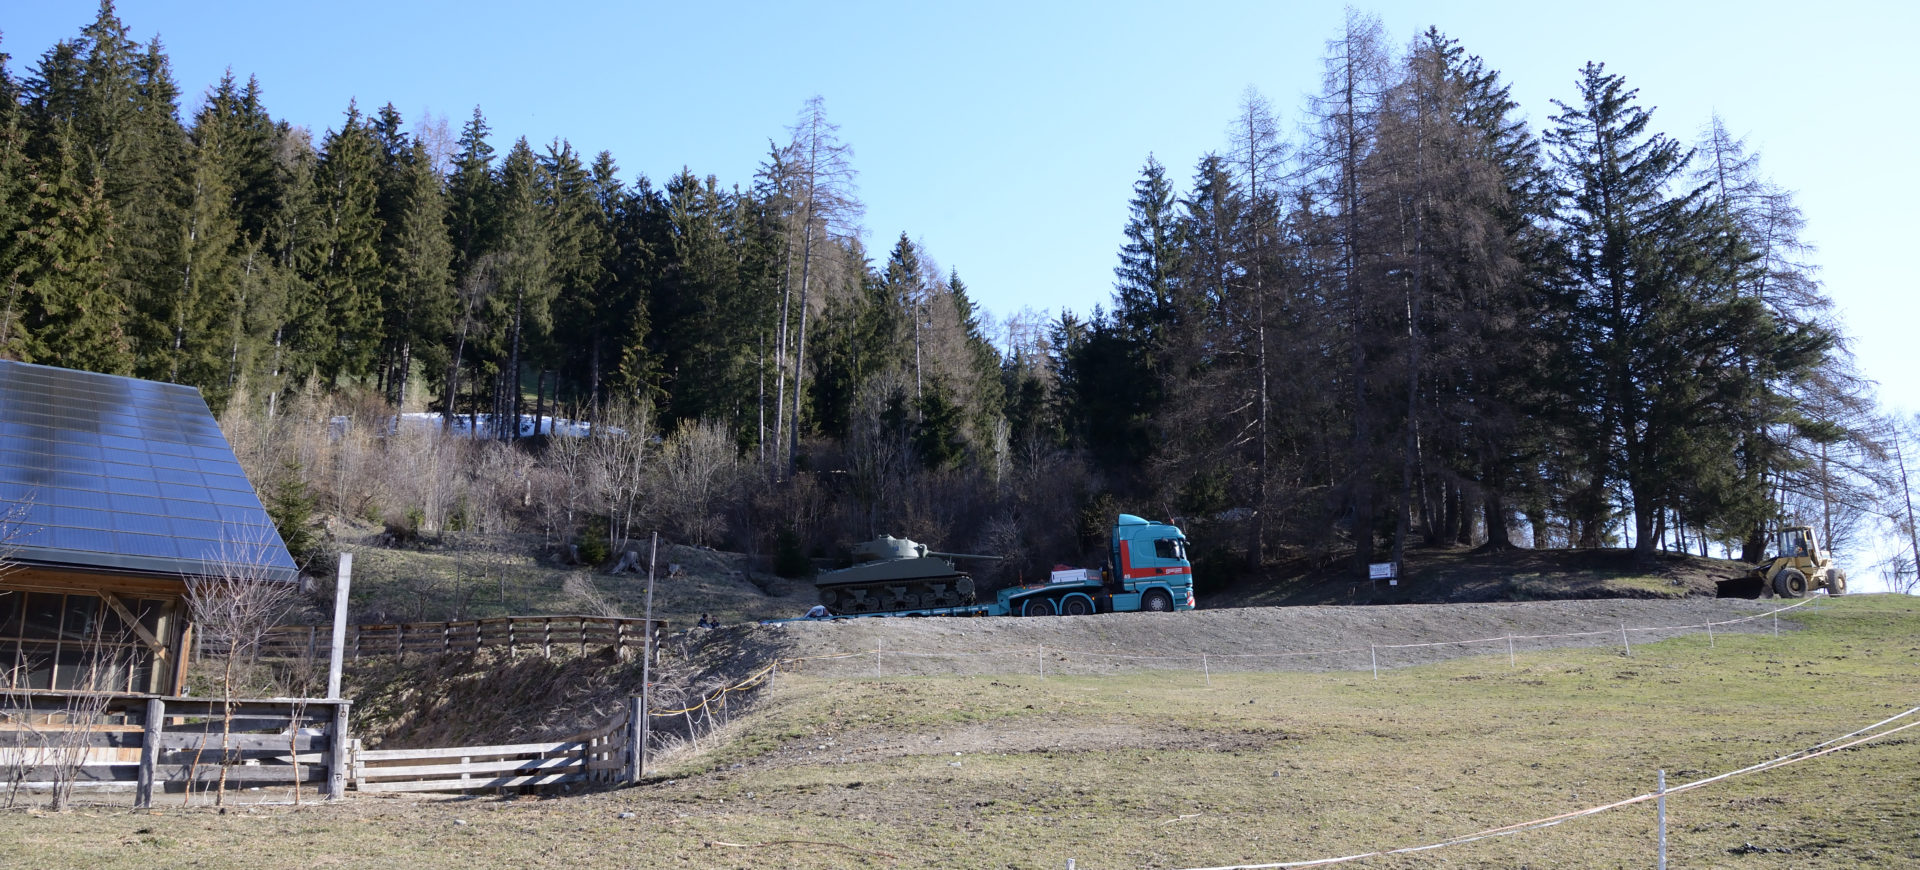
x=1495, y=511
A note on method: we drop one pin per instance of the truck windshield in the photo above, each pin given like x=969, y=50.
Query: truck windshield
x=1171, y=548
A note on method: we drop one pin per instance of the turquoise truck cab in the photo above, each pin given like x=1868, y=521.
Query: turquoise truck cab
x=1148, y=567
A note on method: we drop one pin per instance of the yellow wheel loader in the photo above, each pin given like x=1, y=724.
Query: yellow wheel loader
x=1798, y=567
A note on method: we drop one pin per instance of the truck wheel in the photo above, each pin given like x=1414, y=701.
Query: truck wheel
x=1790, y=584
x=1157, y=601
x=1837, y=583
x=1076, y=606
x=1038, y=607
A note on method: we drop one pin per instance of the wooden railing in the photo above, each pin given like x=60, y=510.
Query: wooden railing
x=599, y=756
x=173, y=744
x=543, y=632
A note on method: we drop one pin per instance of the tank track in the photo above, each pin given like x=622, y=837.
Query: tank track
x=881, y=596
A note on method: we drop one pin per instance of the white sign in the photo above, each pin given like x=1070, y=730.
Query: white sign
x=1382, y=571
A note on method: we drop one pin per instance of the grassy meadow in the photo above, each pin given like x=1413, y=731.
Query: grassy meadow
x=1163, y=770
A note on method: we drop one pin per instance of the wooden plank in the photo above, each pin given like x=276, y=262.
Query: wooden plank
x=473, y=751
x=522, y=765
x=471, y=784
x=248, y=774
x=175, y=740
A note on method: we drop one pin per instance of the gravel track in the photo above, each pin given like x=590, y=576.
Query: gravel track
x=1249, y=638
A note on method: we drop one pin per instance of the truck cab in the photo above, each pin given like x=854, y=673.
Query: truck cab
x=1148, y=566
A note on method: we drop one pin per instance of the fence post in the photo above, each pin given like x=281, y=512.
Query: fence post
x=1510, y=660
x=636, y=735
x=149, y=752
x=1663, y=819
x=341, y=588
x=1374, y=657
x=1623, y=640
x=1043, y=661
x=1206, y=670
x=877, y=647
x=1709, y=634
x=339, y=756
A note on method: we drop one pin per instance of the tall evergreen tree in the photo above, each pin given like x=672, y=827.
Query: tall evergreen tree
x=338, y=324
x=59, y=278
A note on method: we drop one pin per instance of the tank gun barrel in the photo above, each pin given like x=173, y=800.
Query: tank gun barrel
x=965, y=556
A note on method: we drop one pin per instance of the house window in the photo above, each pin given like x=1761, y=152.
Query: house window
x=66, y=642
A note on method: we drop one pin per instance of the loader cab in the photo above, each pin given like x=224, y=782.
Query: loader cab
x=1797, y=543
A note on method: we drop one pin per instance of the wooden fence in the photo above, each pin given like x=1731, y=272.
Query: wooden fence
x=542, y=632
x=601, y=756
x=173, y=744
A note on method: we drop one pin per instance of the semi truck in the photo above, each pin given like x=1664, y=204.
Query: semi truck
x=1147, y=569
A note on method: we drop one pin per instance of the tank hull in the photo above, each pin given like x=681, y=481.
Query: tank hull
x=895, y=584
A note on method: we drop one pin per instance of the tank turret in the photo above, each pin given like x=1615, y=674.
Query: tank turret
x=892, y=573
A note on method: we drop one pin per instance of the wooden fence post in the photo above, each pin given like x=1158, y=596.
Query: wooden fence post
x=149, y=752
x=339, y=758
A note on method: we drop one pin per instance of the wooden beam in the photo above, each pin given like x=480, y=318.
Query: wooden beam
x=133, y=622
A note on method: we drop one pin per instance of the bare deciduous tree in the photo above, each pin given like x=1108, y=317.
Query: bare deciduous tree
x=235, y=602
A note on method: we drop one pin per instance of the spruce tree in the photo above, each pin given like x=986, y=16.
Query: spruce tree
x=60, y=274
x=338, y=325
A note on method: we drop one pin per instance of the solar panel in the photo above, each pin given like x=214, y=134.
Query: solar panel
x=109, y=472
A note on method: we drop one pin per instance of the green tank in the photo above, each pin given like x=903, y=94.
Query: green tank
x=892, y=574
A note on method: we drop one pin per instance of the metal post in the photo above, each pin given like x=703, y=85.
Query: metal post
x=150, y=750
x=1663, y=819
x=1510, y=661
x=646, y=667
x=636, y=717
x=1206, y=670
x=340, y=588
x=1776, y=625
x=877, y=649
x=1375, y=658
x=1623, y=639
x=1043, y=660
x=1709, y=634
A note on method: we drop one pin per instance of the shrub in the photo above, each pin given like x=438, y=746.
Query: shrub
x=592, y=544
x=790, y=556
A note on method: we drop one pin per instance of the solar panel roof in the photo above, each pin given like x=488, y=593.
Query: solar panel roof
x=109, y=472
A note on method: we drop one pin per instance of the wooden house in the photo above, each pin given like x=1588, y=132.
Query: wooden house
x=115, y=493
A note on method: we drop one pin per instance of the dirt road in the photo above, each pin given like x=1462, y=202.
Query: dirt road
x=1249, y=638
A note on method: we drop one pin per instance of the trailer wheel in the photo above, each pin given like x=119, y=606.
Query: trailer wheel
x=1790, y=584
x=1038, y=607
x=1837, y=583
x=1076, y=606
x=1157, y=601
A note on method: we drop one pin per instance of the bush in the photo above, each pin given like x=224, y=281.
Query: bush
x=790, y=556
x=592, y=544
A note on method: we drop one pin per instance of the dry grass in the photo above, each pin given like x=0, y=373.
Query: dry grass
x=1160, y=770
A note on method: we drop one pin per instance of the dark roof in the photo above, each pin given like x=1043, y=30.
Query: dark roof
x=115, y=473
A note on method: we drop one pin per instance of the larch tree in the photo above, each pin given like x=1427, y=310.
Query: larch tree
x=825, y=207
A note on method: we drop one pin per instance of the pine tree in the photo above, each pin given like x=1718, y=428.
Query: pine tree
x=1145, y=282
x=60, y=274
x=1653, y=272
x=338, y=325
x=419, y=304
x=521, y=311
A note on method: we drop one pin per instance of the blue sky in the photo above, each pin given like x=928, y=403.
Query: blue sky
x=1005, y=137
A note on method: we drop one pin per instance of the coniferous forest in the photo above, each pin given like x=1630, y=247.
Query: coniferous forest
x=1419, y=322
